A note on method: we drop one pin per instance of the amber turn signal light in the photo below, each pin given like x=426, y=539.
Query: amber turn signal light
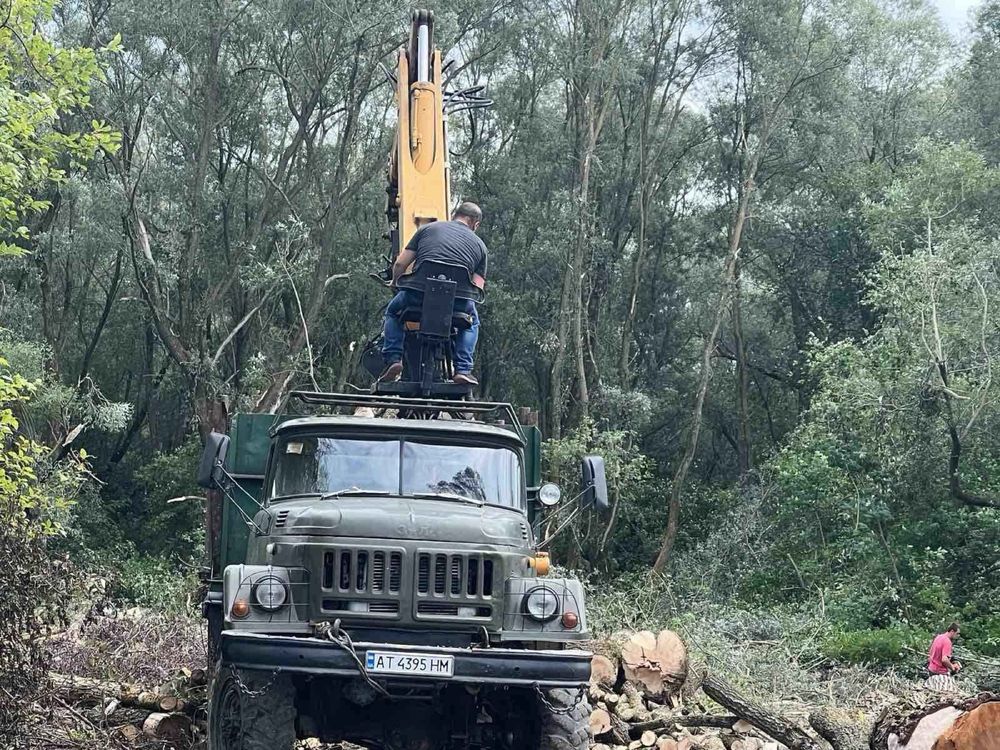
x=241, y=608
x=570, y=620
x=540, y=562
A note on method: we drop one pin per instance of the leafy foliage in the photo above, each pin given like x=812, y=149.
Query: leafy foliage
x=34, y=495
x=41, y=82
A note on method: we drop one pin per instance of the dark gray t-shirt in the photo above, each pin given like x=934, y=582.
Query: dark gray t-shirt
x=450, y=242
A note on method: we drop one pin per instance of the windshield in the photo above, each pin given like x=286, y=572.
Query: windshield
x=307, y=465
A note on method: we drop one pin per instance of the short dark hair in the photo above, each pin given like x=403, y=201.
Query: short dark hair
x=953, y=628
x=469, y=210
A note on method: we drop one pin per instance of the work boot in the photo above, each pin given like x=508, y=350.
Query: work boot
x=392, y=373
x=464, y=378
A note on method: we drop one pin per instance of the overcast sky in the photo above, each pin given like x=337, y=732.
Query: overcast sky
x=955, y=13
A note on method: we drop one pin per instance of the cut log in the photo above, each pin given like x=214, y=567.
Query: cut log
x=924, y=721
x=656, y=662
x=167, y=727
x=88, y=691
x=666, y=743
x=648, y=738
x=978, y=729
x=603, y=671
x=765, y=720
x=600, y=722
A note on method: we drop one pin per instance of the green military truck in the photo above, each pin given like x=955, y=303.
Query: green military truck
x=378, y=580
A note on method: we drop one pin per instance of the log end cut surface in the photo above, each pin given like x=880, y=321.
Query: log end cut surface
x=979, y=729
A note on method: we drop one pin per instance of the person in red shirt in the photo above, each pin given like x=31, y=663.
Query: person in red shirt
x=941, y=666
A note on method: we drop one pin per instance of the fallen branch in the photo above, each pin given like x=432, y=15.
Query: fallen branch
x=765, y=720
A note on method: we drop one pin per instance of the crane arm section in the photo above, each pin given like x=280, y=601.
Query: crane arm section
x=419, y=190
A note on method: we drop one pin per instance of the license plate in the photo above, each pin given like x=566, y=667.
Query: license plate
x=427, y=665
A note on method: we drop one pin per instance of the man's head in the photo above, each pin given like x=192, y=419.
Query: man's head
x=469, y=214
x=953, y=631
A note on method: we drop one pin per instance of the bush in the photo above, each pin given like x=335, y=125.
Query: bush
x=174, y=529
x=897, y=646
x=982, y=635
x=154, y=583
x=34, y=494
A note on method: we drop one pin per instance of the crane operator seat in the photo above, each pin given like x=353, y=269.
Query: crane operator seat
x=440, y=284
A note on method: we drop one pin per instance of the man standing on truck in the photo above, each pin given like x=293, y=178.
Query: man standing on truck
x=939, y=662
x=454, y=242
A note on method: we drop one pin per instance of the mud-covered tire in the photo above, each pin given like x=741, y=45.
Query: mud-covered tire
x=563, y=727
x=251, y=710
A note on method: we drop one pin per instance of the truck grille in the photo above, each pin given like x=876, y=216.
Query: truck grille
x=454, y=575
x=361, y=581
x=454, y=585
x=363, y=571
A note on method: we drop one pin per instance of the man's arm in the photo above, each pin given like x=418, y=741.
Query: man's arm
x=953, y=666
x=479, y=275
x=403, y=261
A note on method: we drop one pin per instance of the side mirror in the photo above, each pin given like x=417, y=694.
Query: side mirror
x=594, y=483
x=210, y=474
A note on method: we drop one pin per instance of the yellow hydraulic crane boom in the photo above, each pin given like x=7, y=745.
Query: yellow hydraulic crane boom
x=418, y=189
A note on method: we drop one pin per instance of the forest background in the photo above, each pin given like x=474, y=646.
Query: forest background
x=747, y=250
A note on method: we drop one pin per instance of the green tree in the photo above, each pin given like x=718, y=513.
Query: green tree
x=41, y=84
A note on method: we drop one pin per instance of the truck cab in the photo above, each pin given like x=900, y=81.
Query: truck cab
x=390, y=591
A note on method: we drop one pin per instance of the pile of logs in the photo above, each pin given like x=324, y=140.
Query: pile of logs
x=646, y=694
x=168, y=713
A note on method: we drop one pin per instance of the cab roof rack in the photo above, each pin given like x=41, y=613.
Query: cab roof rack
x=414, y=408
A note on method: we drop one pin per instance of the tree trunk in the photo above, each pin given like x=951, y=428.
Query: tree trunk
x=743, y=454
x=680, y=474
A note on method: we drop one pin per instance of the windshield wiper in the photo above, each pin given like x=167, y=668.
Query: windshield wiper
x=348, y=491
x=447, y=496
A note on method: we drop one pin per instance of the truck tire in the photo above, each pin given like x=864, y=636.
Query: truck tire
x=251, y=710
x=563, y=717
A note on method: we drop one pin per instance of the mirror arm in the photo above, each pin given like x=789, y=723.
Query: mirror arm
x=248, y=520
x=561, y=526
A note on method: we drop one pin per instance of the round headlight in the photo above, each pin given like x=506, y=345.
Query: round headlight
x=549, y=494
x=541, y=604
x=270, y=593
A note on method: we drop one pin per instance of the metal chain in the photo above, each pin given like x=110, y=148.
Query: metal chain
x=243, y=686
x=580, y=694
x=342, y=639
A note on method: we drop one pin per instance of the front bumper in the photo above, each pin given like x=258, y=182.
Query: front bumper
x=492, y=666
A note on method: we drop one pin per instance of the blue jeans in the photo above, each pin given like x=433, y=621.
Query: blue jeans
x=393, y=333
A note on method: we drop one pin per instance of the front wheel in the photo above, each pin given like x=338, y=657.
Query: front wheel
x=251, y=710
x=563, y=717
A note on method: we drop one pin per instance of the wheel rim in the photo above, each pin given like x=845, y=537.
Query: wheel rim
x=227, y=718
